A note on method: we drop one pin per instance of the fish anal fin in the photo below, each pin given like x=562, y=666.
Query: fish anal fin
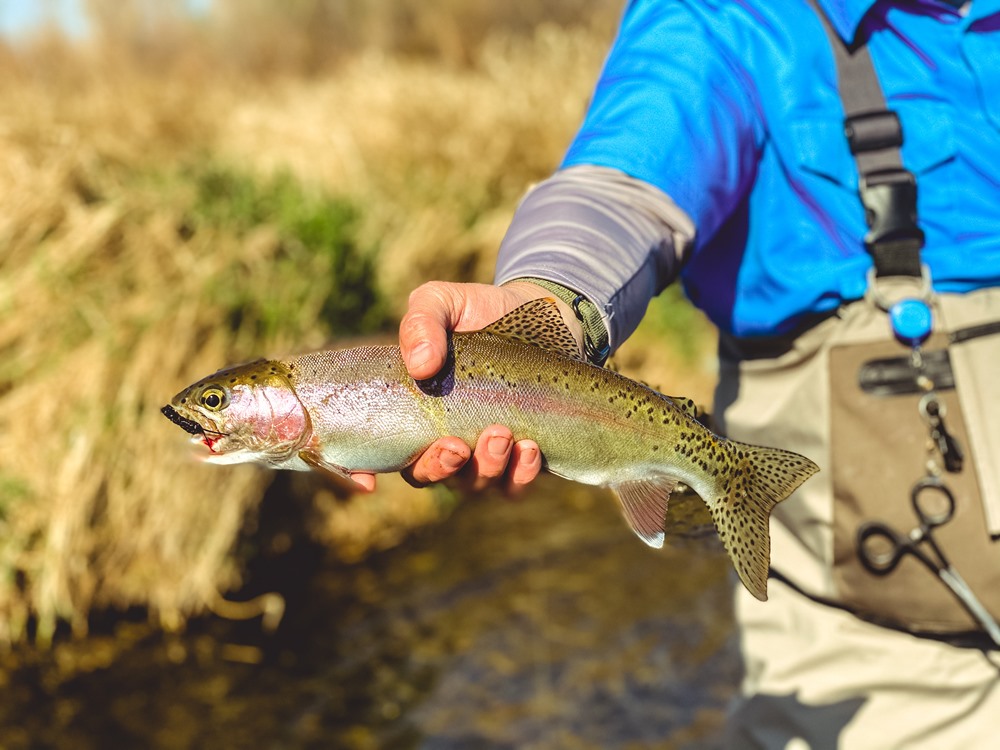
x=644, y=505
x=338, y=476
x=538, y=323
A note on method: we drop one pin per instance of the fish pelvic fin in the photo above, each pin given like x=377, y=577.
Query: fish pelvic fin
x=644, y=505
x=759, y=479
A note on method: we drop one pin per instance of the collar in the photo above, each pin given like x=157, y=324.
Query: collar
x=983, y=8
x=846, y=15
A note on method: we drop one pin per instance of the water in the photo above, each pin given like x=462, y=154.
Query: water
x=539, y=623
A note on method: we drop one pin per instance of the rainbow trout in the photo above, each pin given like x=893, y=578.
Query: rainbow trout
x=357, y=409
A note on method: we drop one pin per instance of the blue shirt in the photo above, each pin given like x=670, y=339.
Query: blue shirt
x=731, y=108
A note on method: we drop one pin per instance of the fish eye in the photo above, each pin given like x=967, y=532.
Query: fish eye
x=213, y=398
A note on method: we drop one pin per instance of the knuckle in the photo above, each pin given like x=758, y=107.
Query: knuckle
x=490, y=469
x=429, y=292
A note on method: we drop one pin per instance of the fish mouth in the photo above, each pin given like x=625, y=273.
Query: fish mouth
x=188, y=425
x=200, y=435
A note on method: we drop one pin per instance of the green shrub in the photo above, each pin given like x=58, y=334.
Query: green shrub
x=302, y=267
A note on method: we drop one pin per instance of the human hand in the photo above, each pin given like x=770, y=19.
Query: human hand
x=436, y=308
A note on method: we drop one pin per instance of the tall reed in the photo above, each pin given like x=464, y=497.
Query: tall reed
x=180, y=194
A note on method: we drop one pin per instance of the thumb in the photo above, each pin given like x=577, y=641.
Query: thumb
x=423, y=331
x=438, y=307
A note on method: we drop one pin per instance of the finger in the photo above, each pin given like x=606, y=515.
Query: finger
x=423, y=331
x=365, y=481
x=490, y=458
x=525, y=465
x=441, y=460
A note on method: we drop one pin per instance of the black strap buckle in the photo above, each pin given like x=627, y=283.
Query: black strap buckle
x=873, y=131
x=894, y=239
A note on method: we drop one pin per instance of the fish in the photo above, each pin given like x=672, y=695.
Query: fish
x=357, y=409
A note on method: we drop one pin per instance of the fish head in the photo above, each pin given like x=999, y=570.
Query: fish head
x=248, y=413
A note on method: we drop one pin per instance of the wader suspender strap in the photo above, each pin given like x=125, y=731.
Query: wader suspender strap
x=888, y=191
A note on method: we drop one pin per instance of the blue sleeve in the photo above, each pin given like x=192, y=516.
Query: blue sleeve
x=675, y=108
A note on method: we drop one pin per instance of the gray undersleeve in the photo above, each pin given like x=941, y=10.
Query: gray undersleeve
x=614, y=239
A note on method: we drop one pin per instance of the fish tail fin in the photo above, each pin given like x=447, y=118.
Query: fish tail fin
x=759, y=479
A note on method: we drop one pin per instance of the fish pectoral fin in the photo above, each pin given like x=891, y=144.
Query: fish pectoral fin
x=540, y=324
x=644, y=504
x=336, y=475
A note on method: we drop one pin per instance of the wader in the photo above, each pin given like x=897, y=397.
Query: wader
x=881, y=626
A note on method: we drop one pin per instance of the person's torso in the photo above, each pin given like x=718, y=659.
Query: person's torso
x=787, y=240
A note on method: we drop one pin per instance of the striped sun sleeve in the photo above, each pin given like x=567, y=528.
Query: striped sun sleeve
x=612, y=238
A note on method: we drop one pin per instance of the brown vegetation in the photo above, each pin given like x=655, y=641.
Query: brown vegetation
x=180, y=194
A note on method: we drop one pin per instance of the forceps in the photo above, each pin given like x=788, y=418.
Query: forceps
x=880, y=548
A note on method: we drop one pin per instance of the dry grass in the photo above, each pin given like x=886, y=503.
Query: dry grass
x=116, y=290
x=438, y=155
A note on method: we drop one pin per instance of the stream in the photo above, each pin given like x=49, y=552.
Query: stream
x=536, y=623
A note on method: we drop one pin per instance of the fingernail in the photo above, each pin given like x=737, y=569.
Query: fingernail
x=529, y=455
x=451, y=461
x=497, y=446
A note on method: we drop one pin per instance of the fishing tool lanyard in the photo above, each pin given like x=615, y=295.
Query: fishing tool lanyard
x=888, y=192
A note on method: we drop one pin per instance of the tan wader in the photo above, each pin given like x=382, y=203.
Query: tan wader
x=819, y=672
x=818, y=677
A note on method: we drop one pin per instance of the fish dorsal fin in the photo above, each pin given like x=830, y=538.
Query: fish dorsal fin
x=538, y=323
x=644, y=504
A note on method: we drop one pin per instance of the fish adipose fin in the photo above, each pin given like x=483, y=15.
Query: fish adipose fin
x=686, y=405
x=759, y=480
x=644, y=504
x=539, y=323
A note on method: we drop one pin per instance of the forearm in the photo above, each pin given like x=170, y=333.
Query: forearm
x=616, y=240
